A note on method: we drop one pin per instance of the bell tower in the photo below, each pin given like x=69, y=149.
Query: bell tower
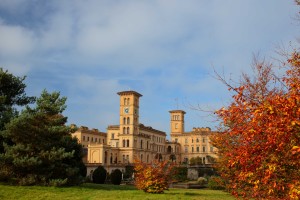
x=177, y=121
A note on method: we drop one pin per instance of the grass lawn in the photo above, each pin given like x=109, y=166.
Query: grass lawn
x=91, y=191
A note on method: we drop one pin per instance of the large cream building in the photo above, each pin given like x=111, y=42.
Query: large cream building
x=130, y=140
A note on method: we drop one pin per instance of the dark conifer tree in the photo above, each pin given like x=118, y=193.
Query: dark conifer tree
x=43, y=150
x=12, y=94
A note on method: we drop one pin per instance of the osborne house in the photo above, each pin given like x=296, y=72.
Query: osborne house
x=121, y=144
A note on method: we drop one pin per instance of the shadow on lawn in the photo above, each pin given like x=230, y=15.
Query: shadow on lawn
x=191, y=194
x=106, y=186
x=185, y=193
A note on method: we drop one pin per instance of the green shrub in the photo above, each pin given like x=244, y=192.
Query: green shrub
x=99, y=175
x=116, y=177
x=216, y=183
x=180, y=173
x=58, y=182
x=128, y=172
x=30, y=179
x=88, y=179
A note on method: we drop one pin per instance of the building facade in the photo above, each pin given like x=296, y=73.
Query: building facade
x=122, y=144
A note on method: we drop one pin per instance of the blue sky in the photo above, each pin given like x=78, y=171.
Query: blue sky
x=166, y=50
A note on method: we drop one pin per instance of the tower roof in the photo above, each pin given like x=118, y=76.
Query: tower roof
x=129, y=93
x=177, y=111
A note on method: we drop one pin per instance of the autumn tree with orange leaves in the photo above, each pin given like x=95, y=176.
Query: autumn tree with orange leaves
x=155, y=177
x=259, y=137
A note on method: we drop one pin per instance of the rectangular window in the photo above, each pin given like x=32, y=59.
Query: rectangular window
x=203, y=148
x=186, y=140
x=197, y=149
x=95, y=139
x=112, y=136
x=83, y=138
x=92, y=139
x=185, y=149
x=88, y=138
x=204, y=140
x=192, y=149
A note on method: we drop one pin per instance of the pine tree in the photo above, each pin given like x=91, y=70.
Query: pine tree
x=43, y=151
x=12, y=93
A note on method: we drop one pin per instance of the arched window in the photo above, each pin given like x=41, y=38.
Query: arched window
x=123, y=143
x=111, y=158
x=128, y=120
x=124, y=130
x=169, y=149
x=128, y=130
x=124, y=120
x=105, y=157
x=128, y=101
x=125, y=101
x=127, y=143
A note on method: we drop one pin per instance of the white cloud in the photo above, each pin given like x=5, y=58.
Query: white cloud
x=15, y=41
x=156, y=47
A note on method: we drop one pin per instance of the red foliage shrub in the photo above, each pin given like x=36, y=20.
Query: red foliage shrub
x=153, y=178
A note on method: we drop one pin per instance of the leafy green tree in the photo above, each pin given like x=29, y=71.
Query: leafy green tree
x=43, y=150
x=12, y=94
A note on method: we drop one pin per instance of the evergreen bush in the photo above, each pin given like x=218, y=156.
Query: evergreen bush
x=116, y=177
x=99, y=175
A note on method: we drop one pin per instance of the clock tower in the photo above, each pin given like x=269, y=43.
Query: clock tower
x=129, y=116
